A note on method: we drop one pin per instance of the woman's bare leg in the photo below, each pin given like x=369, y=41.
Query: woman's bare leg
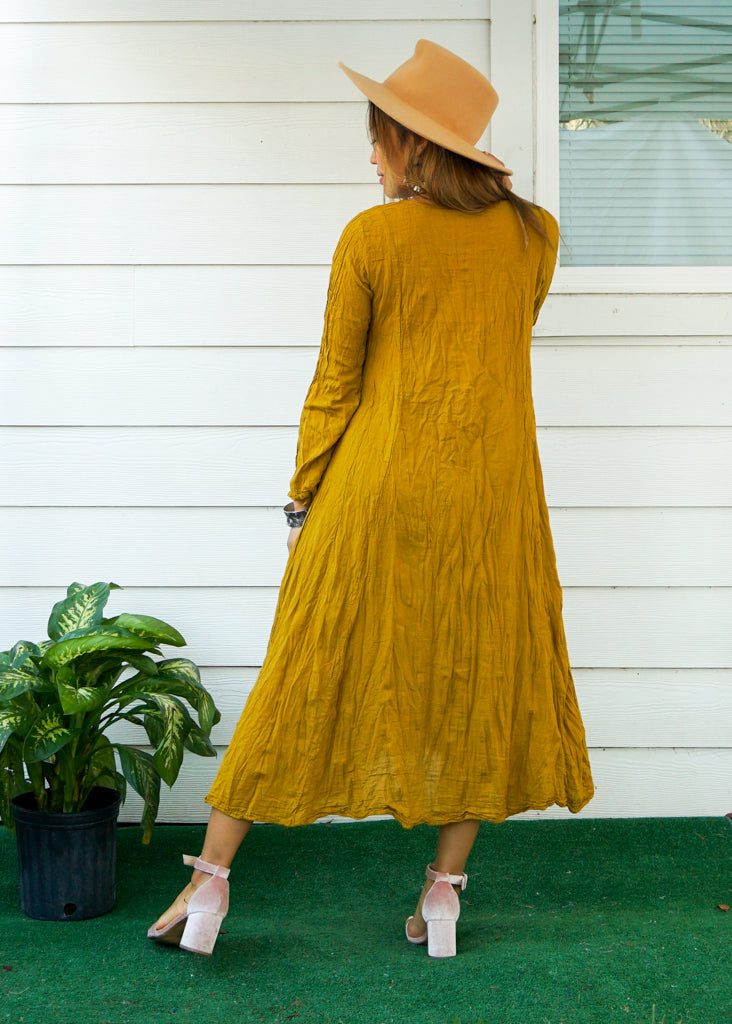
x=224, y=836
x=454, y=843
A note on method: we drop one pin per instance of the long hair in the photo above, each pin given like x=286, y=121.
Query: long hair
x=446, y=178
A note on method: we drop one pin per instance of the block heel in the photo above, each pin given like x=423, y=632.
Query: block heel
x=441, y=938
x=201, y=932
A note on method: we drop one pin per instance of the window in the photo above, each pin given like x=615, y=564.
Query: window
x=645, y=133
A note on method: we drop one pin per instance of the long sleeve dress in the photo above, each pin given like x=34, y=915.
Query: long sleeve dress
x=417, y=664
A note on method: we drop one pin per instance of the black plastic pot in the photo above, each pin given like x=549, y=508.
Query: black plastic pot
x=67, y=862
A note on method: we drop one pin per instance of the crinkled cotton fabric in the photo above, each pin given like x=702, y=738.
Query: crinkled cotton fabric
x=417, y=664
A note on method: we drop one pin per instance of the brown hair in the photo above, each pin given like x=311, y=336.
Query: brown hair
x=446, y=178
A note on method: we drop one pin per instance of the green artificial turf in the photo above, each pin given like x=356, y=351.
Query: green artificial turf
x=586, y=921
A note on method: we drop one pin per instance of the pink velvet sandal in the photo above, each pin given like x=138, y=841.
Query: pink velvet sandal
x=440, y=910
x=197, y=929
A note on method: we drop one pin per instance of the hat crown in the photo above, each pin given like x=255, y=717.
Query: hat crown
x=446, y=89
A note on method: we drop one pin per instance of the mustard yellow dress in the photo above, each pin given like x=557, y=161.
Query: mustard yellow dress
x=417, y=664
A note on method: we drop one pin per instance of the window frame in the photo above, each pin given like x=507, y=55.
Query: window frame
x=626, y=279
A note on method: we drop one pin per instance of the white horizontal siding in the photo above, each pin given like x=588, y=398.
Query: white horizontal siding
x=179, y=306
x=236, y=10
x=174, y=180
x=225, y=62
x=595, y=547
x=591, y=385
x=176, y=223
x=591, y=466
x=607, y=627
x=130, y=143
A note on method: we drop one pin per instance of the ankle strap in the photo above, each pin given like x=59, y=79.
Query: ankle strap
x=442, y=876
x=202, y=865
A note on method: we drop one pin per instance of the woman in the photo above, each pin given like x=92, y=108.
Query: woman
x=417, y=664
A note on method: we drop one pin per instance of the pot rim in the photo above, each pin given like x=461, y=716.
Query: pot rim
x=107, y=804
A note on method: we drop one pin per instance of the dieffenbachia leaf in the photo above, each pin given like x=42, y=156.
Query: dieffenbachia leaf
x=80, y=609
x=21, y=652
x=176, y=724
x=46, y=736
x=186, y=672
x=103, y=639
x=198, y=742
x=14, y=681
x=139, y=770
x=154, y=629
x=80, y=698
x=13, y=720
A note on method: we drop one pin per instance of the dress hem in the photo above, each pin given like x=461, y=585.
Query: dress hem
x=292, y=821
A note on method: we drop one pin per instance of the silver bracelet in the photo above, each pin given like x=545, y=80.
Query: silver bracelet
x=294, y=518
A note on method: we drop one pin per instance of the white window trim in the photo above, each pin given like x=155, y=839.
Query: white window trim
x=546, y=186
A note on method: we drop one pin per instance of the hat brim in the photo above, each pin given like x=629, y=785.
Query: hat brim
x=416, y=121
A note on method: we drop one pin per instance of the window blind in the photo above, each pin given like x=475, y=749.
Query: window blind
x=645, y=96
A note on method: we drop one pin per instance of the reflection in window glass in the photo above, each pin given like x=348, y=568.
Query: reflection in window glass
x=645, y=95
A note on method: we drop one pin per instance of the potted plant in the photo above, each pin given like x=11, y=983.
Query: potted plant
x=59, y=779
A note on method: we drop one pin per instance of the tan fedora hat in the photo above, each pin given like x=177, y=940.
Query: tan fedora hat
x=439, y=96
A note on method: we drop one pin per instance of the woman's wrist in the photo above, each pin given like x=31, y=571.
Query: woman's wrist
x=295, y=513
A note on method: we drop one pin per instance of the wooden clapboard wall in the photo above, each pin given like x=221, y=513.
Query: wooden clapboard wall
x=175, y=176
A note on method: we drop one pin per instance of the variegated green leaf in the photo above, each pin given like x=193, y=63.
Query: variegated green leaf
x=108, y=629
x=180, y=668
x=80, y=698
x=153, y=727
x=102, y=756
x=21, y=652
x=176, y=723
x=155, y=629
x=14, y=681
x=198, y=742
x=46, y=736
x=186, y=671
x=139, y=769
x=43, y=683
x=81, y=609
x=13, y=720
x=139, y=693
x=196, y=695
x=149, y=815
x=106, y=671
x=146, y=666
x=208, y=713
x=101, y=640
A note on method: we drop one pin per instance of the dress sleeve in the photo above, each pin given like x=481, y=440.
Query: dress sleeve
x=335, y=391
x=547, y=262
